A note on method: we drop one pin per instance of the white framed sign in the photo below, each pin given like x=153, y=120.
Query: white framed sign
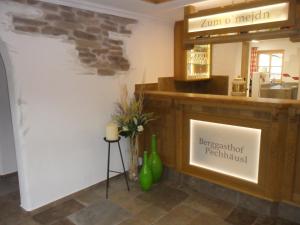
x=226, y=149
x=244, y=17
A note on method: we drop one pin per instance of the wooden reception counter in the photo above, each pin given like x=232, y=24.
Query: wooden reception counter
x=278, y=120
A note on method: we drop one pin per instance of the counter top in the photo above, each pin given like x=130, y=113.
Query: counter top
x=264, y=102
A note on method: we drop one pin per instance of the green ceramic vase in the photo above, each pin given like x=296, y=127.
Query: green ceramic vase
x=145, y=176
x=155, y=161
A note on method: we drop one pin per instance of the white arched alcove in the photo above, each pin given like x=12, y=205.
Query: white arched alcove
x=8, y=162
x=13, y=153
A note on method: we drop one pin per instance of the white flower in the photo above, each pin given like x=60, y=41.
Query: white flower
x=124, y=128
x=135, y=121
x=140, y=128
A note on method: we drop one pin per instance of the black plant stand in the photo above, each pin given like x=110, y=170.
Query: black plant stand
x=108, y=163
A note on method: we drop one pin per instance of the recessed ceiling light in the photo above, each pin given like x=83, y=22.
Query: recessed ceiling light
x=254, y=41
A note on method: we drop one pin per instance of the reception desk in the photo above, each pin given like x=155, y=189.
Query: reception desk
x=272, y=151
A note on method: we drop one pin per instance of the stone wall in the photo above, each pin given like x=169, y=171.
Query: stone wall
x=89, y=31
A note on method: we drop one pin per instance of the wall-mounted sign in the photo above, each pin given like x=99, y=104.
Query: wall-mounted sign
x=226, y=149
x=257, y=15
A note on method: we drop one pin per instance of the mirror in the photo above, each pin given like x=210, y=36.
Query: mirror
x=275, y=69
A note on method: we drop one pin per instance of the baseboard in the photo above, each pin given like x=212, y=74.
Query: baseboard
x=66, y=198
x=286, y=210
x=9, y=175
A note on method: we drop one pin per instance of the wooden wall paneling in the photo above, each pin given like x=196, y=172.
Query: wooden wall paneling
x=290, y=155
x=288, y=23
x=296, y=38
x=189, y=10
x=217, y=85
x=166, y=84
x=279, y=168
x=146, y=87
x=245, y=37
x=296, y=191
x=276, y=152
x=164, y=127
x=179, y=52
x=260, y=189
x=296, y=177
x=179, y=134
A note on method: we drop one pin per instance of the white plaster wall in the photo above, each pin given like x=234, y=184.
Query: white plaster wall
x=8, y=162
x=60, y=109
x=226, y=60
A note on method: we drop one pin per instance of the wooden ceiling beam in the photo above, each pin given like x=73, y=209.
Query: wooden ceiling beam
x=245, y=37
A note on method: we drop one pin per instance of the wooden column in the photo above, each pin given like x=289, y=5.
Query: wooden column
x=179, y=52
x=245, y=60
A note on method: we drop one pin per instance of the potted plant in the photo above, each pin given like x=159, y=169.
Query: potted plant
x=131, y=121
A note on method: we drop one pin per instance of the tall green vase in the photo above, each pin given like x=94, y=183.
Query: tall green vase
x=155, y=161
x=145, y=176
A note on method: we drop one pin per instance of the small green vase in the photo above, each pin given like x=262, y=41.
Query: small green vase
x=145, y=176
x=155, y=161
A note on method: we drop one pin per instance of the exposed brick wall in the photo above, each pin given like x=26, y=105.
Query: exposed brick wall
x=88, y=30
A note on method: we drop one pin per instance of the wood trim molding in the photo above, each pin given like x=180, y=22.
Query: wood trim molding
x=241, y=33
x=244, y=37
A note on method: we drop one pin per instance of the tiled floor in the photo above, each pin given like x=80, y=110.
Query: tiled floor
x=9, y=184
x=165, y=204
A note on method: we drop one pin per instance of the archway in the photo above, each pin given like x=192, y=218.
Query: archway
x=8, y=162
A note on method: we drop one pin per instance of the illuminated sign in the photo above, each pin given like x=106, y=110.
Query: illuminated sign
x=226, y=149
x=258, y=15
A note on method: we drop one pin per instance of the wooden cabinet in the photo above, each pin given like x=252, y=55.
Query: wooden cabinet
x=193, y=63
x=164, y=128
x=279, y=166
x=296, y=192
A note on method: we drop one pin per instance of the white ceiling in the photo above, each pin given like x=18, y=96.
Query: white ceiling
x=169, y=11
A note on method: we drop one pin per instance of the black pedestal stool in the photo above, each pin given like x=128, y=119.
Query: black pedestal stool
x=108, y=164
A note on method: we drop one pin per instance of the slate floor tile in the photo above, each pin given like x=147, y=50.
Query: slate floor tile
x=123, y=196
x=209, y=205
x=133, y=221
x=118, y=183
x=164, y=197
x=208, y=219
x=133, y=205
x=181, y=215
x=18, y=220
x=285, y=222
x=263, y=220
x=58, y=212
x=9, y=184
x=88, y=197
x=63, y=222
x=241, y=216
x=103, y=212
x=165, y=204
x=10, y=206
x=151, y=214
